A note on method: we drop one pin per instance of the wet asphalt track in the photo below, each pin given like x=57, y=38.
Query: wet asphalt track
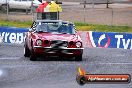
x=16, y=71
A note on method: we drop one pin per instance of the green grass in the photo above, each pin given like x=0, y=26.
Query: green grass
x=79, y=26
x=102, y=28
x=15, y=23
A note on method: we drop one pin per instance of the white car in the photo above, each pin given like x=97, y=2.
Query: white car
x=18, y=4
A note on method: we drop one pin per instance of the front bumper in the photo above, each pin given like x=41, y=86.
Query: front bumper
x=58, y=51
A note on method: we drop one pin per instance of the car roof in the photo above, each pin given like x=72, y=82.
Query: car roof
x=54, y=21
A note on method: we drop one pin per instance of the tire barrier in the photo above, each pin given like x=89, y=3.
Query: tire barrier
x=90, y=39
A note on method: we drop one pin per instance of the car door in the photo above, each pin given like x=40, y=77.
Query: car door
x=15, y=4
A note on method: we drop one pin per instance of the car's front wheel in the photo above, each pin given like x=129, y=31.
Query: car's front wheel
x=33, y=56
x=78, y=58
x=26, y=51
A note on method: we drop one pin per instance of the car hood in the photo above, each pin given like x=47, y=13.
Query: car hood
x=50, y=36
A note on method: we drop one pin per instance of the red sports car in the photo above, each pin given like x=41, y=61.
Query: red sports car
x=53, y=38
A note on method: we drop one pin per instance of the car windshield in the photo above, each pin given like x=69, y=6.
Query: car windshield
x=55, y=27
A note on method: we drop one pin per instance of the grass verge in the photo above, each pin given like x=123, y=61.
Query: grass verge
x=102, y=28
x=79, y=26
x=15, y=23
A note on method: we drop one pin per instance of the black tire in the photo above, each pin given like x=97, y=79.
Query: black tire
x=78, y=58
x=33, y=57
x=26, y=51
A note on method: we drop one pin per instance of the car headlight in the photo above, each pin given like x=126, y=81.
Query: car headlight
x=78, y=44
x=39, y=42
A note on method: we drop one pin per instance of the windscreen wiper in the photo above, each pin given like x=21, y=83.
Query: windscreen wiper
x=64, y=33
x=42, y=31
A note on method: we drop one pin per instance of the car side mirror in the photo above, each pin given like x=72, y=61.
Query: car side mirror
x=30, y=30
x=76, y=31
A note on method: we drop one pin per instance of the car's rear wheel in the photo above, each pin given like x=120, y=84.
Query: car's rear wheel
x=26, y=51
x=33, y=56
x=78, y=58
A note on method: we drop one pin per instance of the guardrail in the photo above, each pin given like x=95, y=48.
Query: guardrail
x=90, y=39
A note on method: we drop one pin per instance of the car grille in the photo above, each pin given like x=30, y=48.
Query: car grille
x=59, y=43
